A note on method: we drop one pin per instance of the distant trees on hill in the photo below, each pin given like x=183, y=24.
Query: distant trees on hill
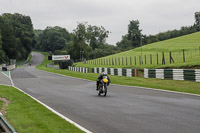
x=16, y=37
x=134, y=35
x=132, y=38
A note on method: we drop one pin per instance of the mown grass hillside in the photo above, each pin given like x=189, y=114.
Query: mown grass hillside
x=151, y=55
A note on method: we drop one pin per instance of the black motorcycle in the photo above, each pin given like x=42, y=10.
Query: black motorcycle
x=103, y=87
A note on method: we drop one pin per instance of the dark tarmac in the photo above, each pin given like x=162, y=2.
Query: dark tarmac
x=124, y=110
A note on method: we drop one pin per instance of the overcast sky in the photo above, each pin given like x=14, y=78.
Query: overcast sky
x=114, y=15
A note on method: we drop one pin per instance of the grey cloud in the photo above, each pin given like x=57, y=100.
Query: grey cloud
x=154, y=15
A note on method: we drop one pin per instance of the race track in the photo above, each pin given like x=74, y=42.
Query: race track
x=124, y=110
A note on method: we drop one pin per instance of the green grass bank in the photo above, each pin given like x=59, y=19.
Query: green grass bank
x=28, y=116
x=151, y=55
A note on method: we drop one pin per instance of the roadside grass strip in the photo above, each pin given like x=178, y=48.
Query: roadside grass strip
x=1, y=104
x=28, y=116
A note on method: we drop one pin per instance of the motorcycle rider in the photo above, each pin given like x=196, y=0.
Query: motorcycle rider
x=100, y=78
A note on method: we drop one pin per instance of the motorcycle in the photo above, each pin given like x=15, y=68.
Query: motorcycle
x=103, y=86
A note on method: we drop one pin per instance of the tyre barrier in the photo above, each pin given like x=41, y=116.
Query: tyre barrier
x=78, y=69
x=117, y=71
x=173, y=74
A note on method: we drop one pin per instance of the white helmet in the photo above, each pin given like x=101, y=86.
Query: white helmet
x=103, y=73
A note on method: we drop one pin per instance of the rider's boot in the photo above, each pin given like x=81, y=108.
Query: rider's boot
x=97, y=87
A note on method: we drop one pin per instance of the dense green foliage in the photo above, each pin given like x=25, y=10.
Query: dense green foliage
x=52, y=39
x=16, y=36
x=28, y=116
x=86, y=41
x=89, y=42
x=2, y=53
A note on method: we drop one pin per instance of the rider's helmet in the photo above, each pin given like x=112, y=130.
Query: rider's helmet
x=103, y=74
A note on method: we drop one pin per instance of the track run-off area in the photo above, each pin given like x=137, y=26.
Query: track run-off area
x=124, y=110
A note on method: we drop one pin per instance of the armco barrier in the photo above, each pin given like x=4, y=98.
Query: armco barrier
x=78, y=69
x=110, y=71
x=5, y=126
x=175, y=74
x=117, y=71
x=52, y=66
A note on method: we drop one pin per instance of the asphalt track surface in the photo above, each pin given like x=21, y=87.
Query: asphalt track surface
x=124, y=110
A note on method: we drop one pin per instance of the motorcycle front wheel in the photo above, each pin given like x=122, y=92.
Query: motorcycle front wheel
x=105, y=90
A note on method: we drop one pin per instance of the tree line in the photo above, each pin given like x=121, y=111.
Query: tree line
x=86, y=41
x=16, y=37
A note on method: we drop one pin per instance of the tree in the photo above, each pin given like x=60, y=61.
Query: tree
x=86, y=39
x=96, y=36
x=2, y=54
x=9, y=43
x=79, y=41
x=134, y=33
x=197, y=20
x=17, y=35
x=132, y=39
x=37, y=33
x=23, y=30
x=125, y=43
x=53, y=38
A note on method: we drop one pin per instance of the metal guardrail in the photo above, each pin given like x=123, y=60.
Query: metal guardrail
x=5, y=127
x=52, y=66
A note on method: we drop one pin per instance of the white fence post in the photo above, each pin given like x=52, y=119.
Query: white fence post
x=160, y=73
x=146, y=73
x=111, y=71
x=128, y=72
x=100, y=70
x=197, y=75
x=119, y=71
x=178, y=74
x=106, y=70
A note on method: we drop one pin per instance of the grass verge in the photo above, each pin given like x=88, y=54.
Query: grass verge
x=28, y=116
x=29, y=57
x=172, y=85
x=1, y=103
